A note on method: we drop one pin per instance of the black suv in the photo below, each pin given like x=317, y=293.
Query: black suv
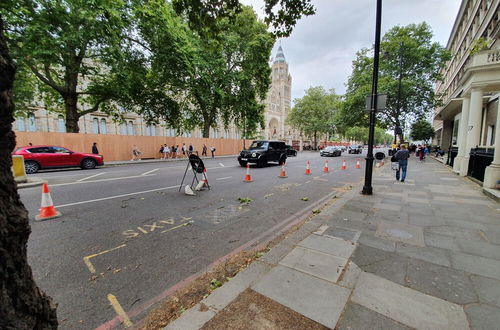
x=262, y=152
x=355, y=149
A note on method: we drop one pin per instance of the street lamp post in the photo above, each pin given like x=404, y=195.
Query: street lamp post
x=397, y=130
x=367, y=188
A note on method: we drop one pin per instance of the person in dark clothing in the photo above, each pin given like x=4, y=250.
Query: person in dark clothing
x=402, y=158
x=190, y=148
x=204, y=151
x=94, y=149
x=212, y=150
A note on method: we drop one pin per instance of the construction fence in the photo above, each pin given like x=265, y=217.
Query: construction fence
x=119, y=147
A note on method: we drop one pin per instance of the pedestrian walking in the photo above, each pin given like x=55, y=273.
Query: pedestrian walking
x=420, y=153
x=161, y=151
x=191, y=149
x=177, y=151
x=174, y=151
x=95, y=151
x=204, y=150
x=212, y=150
x=166, y=151
x=136, y=153
x=183, y=150
x=402, y=158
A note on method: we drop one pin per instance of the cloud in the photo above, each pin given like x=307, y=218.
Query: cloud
x=321, y=48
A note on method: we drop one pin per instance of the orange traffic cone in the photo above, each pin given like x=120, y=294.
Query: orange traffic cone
x=308, y=168
x=282, y=172
x=357, y=164
x=344, y=166
x=248, y=177
x=47, y=211
x=325, y=169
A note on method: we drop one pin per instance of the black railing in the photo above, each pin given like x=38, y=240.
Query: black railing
x=480, y=158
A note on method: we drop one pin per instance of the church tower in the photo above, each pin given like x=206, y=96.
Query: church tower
x=279, y=99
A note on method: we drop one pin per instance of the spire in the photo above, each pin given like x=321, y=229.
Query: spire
x=280, y=57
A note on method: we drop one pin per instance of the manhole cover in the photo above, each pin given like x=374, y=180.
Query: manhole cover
x=399, y=233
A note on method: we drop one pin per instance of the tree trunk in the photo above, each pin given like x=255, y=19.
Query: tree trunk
x=315, y=140
x=72, y=115
x=22, y=304
x=206, y=130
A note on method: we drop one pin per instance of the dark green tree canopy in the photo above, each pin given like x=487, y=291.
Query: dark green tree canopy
x=313, y=114
x=407, y=52
x=422, y=130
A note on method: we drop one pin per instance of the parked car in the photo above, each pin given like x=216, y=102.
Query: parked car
x=42, y=157
x=330, y=151
x=355, y=149
x=342, y=148
x=290, y=151
x=263, y=151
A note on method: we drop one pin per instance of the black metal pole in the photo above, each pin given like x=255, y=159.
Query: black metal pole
x=399, y=92
x=367, y=188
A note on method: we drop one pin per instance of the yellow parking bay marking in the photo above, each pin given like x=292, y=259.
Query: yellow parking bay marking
x=179, y=226
x=87, y=258
x=149, y=172
x=119, y=310
x=89, y=177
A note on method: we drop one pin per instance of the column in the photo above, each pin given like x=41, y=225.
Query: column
x=462, y=133
x=473, y=127
x=492, y=172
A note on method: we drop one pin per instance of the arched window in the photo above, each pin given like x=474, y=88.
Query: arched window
x=103, y=129
x=130, y=128
x=32, y=122
x=21, y=124
x=123, y=128
x=95, y=126
x=61, y=125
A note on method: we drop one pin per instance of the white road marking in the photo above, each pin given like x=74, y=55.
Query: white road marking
x=222, y=165
x=92, y=176
x=227, y=177
x=109, y=179
x=148, y=172
x=117, y=196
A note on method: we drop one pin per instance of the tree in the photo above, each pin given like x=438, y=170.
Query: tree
x=69, y=46
x=358, y=133
x=409, y=54
x=313, y=114
x=22, y=304
x=422, y=130
x=230, y=73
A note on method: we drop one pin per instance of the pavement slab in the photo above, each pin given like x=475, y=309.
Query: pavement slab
x=400, y=233
x=350, y=275
x=407, y=306
x=342, y=233
x=479, y=248
x=334, y=246
x=193, y=319
x=483, y=317
x=487, y=289
x=315, y=263
x=442, y=282
x=312, y=297
x=476, y=265
x=377, y=242
x=426, y=253
x=357, y=317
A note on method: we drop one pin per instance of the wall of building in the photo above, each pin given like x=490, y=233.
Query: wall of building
x=119, y=147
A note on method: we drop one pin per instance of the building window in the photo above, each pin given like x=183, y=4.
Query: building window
x=226, y=134
x=130, y=128
x=103, y=128
x=150, y=130
x=95, y=126
x=123, y=128
x=490, y=138
x=61, y=124
x=31, y=122
x=21, y=125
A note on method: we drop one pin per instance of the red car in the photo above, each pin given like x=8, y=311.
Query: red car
x=41, y=157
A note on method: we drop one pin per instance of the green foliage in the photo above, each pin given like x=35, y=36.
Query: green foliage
x=314, y=113
x=479, y=45
x=281, y=15
x=358, y=133
x=422, y=60
x=245, y=200
x=422, y=130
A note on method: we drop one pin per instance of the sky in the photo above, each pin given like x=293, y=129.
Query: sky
x=321, y=48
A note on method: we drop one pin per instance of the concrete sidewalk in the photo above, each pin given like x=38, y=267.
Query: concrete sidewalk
x=158, y=160
x=424, y=254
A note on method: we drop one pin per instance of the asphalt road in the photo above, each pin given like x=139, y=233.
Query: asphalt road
x=126, y=231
